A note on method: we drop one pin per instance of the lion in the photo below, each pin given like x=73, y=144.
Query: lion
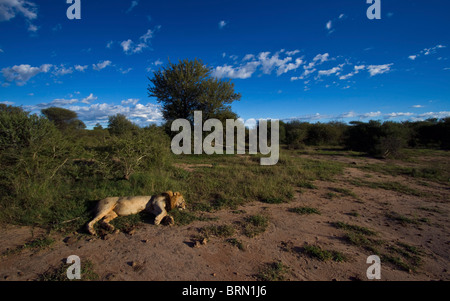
x=112, y=207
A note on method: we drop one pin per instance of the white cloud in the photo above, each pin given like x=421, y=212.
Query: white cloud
x=8, y=103
x=139, y=47
x=134, y=3
x=22, y=73
x=269, y=63
x=156, y=63
x=101, y=65
x=427, y=51
x=247, y=57
x=222, y=24
x=62, y=70
x=92, y=113
x=58, y=103
x=109, y=44
x=32, y=28
x=352, y=115
x=264, y=61
x=242, y=72
x=331, y=23
x=355, y=71
x=130, y=47
x=126, y=45
x=148, y=35
x=130, y=101
x=417, y=106
x=10, y=8
x=370, y=115
x=397, y=114
x=1, y=50
x=290, y=66
x=334, y=70
x=321, y=57
x=293, y=52
x=379, y=69
x=99, y=112
x=307, y=71
x=438, y=115
x=89, y=99
x=81, y=68
x=125, y=71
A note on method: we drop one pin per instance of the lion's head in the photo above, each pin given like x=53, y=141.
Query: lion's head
x=176, y=200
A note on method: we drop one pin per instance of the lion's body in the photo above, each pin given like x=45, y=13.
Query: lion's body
x=112, y=207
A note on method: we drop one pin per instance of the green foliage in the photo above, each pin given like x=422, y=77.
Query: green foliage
x=119, y=125
x=274, y=271
x=255, y=225
x=50, y=176
x=376, y=138
x=63, y=118
x=323, y=255
x=354, y=228
x=299, y=134
x=60, y=273
x=219, y=231
x=304, y=210
x=138, y=150
x=187, y=86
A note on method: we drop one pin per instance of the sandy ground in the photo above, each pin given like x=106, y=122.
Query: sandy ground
x=169, y=253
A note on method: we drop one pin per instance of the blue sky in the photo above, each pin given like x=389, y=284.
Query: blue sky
x=310, y=60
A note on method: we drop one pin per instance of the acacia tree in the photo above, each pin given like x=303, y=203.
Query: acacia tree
x=188, y=86
x=63, y=118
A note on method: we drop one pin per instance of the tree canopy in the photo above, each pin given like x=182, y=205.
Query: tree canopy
x=188, y=86
x=63, y=118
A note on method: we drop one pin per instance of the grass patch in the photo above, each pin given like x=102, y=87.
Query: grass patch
x=354, y=214
x=354, y=228
x=273, y=201
x=184, y=217
x=275, y=271
x=434, y=171
x=237, y=243
x=401, y=255
x=306, y=184
x=433, y=210
x=304, y=210
x=364, y=242
x=255, y=225
x=330, y=195
x=34, y=245
x=404, y=220
x=323, y=255
x=393, y=186
x=218, y=231
x=127, y=223
x=60, y=273
x=344, y=191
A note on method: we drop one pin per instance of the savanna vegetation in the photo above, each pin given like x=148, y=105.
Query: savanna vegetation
x=53, y=169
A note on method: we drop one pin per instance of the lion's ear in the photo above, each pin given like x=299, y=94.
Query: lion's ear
x=176, y=193
x=170, y=193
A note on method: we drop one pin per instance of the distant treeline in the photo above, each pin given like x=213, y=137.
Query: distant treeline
x=376, y=138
